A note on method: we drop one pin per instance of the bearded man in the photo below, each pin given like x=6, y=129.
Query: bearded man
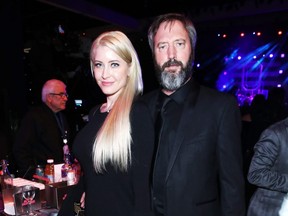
x=198, y=160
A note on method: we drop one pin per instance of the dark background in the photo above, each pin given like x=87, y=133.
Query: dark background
x=34, y=50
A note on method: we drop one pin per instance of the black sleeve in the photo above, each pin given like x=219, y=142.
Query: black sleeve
x=73, y=196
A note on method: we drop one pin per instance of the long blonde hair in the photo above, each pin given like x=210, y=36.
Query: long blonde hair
x=113, y=141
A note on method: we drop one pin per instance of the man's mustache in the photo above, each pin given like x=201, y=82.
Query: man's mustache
x=172, y=62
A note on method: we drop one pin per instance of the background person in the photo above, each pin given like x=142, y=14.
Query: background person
x=42, y=130
x=269, y=170
x=198, y=167
x=253, y=125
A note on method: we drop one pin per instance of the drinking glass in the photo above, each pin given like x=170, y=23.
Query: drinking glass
x=29, y=195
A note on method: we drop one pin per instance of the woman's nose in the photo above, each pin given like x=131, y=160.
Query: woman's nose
x=105, y=73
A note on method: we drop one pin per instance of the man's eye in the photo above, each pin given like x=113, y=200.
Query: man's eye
x=180, y=44
x=162, y=47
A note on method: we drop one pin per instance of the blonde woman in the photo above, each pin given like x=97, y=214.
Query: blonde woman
x=115, y=148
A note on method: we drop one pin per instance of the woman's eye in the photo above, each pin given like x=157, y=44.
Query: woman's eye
x=114, y=65
x=98, y=65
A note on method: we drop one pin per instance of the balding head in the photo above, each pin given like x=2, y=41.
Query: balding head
x=54, y=95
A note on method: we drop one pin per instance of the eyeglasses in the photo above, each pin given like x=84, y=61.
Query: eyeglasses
x=62, y=95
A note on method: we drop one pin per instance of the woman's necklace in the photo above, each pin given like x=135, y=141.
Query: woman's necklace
x=104, y=108
x=109, y=108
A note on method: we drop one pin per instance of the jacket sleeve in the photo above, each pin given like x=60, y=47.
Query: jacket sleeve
x=142, y=152
x=232, y=184
x=265, y=169
x=23, y=144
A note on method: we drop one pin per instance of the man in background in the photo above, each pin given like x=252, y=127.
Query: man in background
x=268, y=170
x=43, y=131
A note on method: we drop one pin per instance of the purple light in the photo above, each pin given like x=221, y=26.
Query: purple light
x=245, y=75
x=198, y=65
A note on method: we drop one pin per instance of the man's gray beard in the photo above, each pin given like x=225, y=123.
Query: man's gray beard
x=172, y=81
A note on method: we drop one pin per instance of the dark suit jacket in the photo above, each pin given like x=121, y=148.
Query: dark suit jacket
x=269, y=170
x=205, y=176
x=38, y=139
